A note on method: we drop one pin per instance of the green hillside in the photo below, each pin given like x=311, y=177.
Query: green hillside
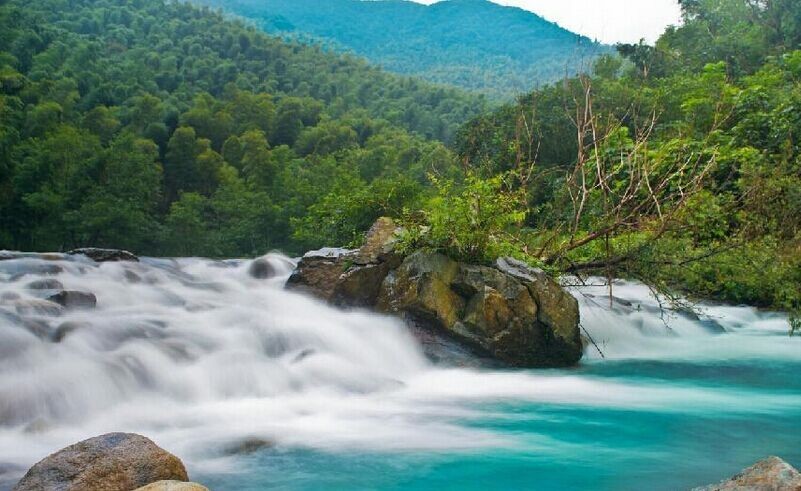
x=474, y=44
x=162, y=127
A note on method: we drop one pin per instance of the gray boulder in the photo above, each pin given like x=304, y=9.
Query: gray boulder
x=111, y=462
x=771, y=474
x=350, y=278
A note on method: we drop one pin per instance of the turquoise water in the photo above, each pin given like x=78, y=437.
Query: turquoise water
x=753, y=412
x=201, y=358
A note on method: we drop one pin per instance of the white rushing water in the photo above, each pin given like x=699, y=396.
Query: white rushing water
x=199, y=356
x=636, y=325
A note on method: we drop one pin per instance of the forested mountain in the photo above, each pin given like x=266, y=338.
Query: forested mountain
x=162, y=127
x=474, y=44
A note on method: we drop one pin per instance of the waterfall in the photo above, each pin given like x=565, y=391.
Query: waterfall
x=200, y=356
x=640, y=324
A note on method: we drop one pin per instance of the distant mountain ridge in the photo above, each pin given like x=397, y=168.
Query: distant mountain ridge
x=473, y=44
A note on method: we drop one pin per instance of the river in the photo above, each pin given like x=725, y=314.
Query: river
x=209, y=362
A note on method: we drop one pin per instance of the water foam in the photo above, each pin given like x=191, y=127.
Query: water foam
x=198, y=355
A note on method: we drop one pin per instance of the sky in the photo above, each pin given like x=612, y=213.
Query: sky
x=609, y=21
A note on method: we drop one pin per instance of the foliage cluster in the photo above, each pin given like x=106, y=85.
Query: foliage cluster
x=165, y=128
x=471, y=221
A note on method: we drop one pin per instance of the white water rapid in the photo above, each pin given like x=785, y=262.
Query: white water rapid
x=199, y=356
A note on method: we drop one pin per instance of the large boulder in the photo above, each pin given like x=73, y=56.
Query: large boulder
x=771, y=474
x=111, y=462
x=350, y=278
x=379, y=244
x=508, y=311
x=105, y=255
x=524, y=320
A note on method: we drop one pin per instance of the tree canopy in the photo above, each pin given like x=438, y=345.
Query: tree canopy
x=165, y=128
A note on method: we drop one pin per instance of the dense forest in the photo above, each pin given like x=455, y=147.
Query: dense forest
x=161, y=127
x=678, y=164
x=473, y=44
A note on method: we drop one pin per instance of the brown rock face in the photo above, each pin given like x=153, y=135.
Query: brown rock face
x=74, y=299
x=318, y=272
x=771, y=474
x=350, y=278
x=520, y=321
x=511, y=312
x=111, y=462
x=421, y=287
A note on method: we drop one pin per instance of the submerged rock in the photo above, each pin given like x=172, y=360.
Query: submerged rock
x=66, y=328
x=45, y=284
x=111, y=462
x=35, y=306
x=771, y=474
x=173, y=486
x=261, y=269
x=44, y=256
x=74, y=299
x=24, y=267
x=247, y=446
x=131, y=277
x=509, y=311
x=105, y=255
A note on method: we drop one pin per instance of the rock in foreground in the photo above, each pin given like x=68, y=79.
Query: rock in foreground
x=771, y=474
x=111, y=462
x=524, y=322
x=509, y=311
